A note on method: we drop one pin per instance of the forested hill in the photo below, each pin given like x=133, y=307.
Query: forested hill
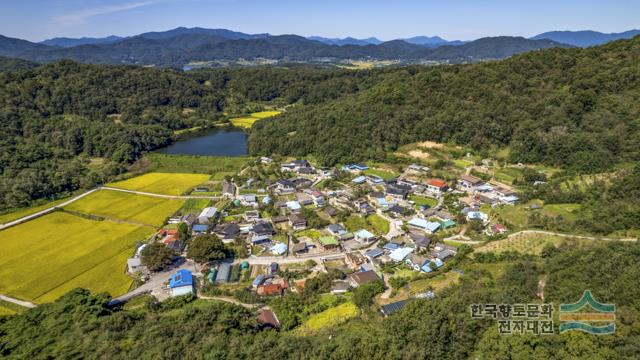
x=574, y=108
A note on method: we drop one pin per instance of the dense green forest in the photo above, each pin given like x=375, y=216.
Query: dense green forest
x=70, y=126
x=574, y=108
x=59, y=119
x=79, y=325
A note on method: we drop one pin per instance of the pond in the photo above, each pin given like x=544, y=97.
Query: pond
x=219, y=142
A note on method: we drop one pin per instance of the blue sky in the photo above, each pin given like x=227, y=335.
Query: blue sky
x=385, y=19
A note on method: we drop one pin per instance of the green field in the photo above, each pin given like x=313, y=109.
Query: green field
x=212, y=165
x=125, y=206
x=162, y=183
x=44, y=258
x=194, y=206
x=8, y=308
x=378, y=223
x=5, y=218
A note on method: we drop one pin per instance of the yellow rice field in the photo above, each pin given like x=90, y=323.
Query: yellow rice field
x=44, y=258
x=113, y=204
x=162, y=183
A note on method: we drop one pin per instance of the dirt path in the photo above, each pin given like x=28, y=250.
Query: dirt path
x=542, y=232
x=17, y=302
x=160, y=195
x=230, y=300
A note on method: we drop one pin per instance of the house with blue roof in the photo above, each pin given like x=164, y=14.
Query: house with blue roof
x=364, y=236
x=359, y=180
x=477, y=215
x=390, y=246
x=200, y=228
x=400, y=254
x=374, y=253
x=425, y=225
x=279, y=249
x=293, y=205
x=181, y=283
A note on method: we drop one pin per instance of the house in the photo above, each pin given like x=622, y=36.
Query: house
x=477, y=215
x=294, y=206
x=304, y=199
x=364, y=207
x=429, y=227
x=336, y=229
x=390, y=246
x=265, y=160
x=443, y=251
x=420, y=241
x=415, y=261
x=397, y=192
x=364, y=236
x=400, y=254
x=485, y=199
x=134, y=265
x=278, y=249
x=228, y=189
x=360, y=179
x=393, y=307
x=252, y=215
x=227, y=232
x=284, y=186
x=279, y=219
x=430, y=265
x=437, y=186
x=448, y=224
x=189, y=219
x=299, y=248
x=171, y=239
x=224, y=269
x=268, y=319
x=374, y=180
x=181, y=283
x=329, y=242
x=200, y=229
x=361, y=278
x=339, y=287
x=355, y=167
x=355, y=259
x=266, y=200
x=207, y=214
x=258, y=280
x=469, y=182
x=316, y=197
x=249, y=200
x=306, y=171
x=270, y=289
x=260, y=239
x=415, y=168
x=373, y=253
x=498, y=229
x=330, y=210
x=398, y=211
x=263, y=228
x=300, y=183
x=297, y=222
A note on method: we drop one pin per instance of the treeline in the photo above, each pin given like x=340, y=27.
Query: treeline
x=79, y=325
x=573, y=108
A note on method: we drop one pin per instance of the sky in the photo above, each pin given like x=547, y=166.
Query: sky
x=37, y=20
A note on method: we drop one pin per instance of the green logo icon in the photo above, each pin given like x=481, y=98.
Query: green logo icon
x=599, y=319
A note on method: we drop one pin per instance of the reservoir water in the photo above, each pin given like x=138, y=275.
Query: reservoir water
x=220, y=142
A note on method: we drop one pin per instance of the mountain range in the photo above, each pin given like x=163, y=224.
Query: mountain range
x=585, y=38
x=181, y=46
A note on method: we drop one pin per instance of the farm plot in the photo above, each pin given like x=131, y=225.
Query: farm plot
x=162, y=183
x=125, y=206
x=48, y=256
x=524, y=244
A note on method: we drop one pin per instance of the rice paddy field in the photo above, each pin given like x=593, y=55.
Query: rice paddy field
x=146, y=210
x=247, y=121
x=162, y=183
x=48, y=256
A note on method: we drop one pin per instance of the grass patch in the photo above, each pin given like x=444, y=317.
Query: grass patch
x=331, y=317
x=265, y=114
x=9, y=308
x=311, y=233
x=243, y=122
x=194, y=206
x=384, y=174
x=125, y=206
x=44, y=258
x=419, y=200
x=355, y=223
x=436, y=283
x=378, y=223
x=524, y=243
x=162, y=183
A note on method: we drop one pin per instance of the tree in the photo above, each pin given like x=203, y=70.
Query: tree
x=206, y=248
x=156, y=256
x=363, y=295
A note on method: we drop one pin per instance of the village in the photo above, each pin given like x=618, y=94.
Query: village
x=305, y=220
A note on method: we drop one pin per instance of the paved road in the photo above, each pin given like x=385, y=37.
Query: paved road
x=156, y=281
x=17, y=302
x=45, y=211
x=161, y=195
x=266, y=260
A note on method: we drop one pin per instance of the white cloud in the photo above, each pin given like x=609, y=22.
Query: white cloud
x=80, y=16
